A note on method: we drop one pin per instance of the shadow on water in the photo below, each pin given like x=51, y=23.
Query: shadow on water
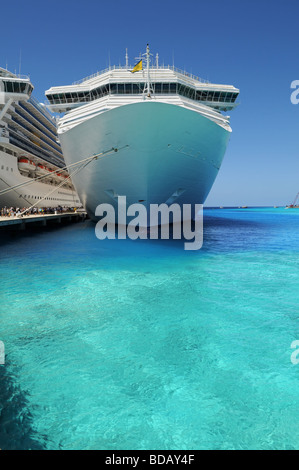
x=216, y=229
x=16, y=431
x=227, y=223
x=8, y=236
x=235, y=234
x=222, y=232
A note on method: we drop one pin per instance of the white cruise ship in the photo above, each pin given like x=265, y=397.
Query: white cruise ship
x=30, y=155
x=166, y=126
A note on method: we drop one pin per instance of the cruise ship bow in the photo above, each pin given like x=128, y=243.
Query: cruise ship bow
x=168, y=125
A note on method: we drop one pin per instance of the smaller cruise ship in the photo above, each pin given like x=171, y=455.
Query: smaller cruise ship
x=31, y=161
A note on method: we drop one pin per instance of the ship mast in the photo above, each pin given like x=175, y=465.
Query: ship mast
x=127, y=59
x=148, y=89
x=147, y=70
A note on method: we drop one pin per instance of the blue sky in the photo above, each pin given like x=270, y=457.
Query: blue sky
x=250, y=44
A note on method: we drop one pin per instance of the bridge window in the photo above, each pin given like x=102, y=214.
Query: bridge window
x=137, y=88
x=94, y=94
x=201, y=95
x=113, y=88
x=104, y=90
x=8, y=86
x=17, y=87
x=29, y=89
x=190, y=93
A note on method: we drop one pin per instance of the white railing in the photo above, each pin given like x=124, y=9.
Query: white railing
x=12, y=76
x=42, y=110
x=153, y=67
x=4, y=132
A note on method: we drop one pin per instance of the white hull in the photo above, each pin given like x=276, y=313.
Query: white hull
x=32, y=194
x=171, y=155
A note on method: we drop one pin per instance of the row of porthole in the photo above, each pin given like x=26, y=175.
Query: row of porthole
x=7, y=168
x=39, y=197
x=32, y=197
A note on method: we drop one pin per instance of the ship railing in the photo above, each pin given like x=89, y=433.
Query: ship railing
x=14, y=76
x=22, y=125
x=43, y=111
x=32, y=115
x=153, y=67
x=4, y=132
x=21, y=142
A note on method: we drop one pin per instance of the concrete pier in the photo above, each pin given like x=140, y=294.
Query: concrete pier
x=20, y=223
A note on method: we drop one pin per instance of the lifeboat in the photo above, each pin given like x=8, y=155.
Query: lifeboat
x=41, y=170
x=51, y=173
x=55, y=176
x=67, y=181
x=26, y=165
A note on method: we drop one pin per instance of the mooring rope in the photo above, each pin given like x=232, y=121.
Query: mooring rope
x=66, y=168
x=55, y=189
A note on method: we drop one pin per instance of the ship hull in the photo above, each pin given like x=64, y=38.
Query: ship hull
x=32, y=193
x=166, y=154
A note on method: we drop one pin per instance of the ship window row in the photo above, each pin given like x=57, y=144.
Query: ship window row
x=30, y=130
x=39, y=197
x=6, y=150
x=7, y=168
x=137, y=88
x=19, y=141
x=17, y=87
x=25, y=108
x=42, y=111
x=30, y=141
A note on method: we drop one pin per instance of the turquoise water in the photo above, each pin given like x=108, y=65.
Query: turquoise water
x=141, y=345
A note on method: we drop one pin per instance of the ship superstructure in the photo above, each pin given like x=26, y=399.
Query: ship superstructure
x=30, y=154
